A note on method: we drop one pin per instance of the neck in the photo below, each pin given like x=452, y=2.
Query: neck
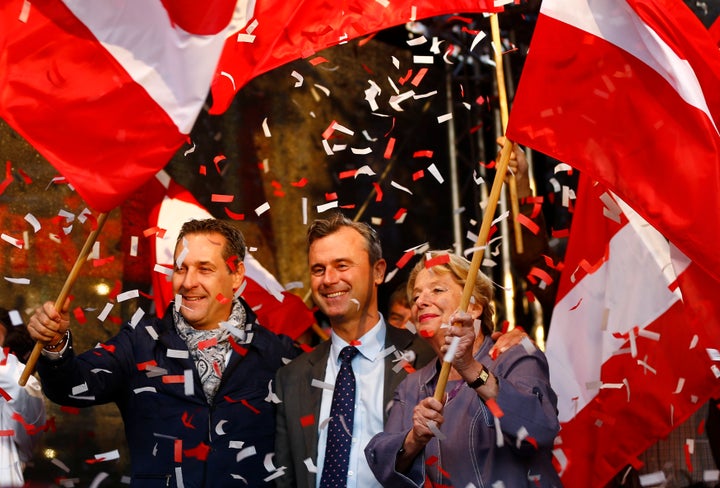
x=353, y=330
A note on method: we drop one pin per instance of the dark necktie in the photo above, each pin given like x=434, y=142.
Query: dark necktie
x=340, y=428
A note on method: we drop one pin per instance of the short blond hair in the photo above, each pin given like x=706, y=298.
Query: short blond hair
x=459, y=268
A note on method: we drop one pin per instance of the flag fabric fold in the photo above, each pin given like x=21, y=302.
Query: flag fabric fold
x=286, y=31
x=626, y=90
x=107, y=93
x=631, y=339
x=277, y=309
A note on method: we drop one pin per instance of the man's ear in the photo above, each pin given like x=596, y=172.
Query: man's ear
x=238, y=275
x=379, y=271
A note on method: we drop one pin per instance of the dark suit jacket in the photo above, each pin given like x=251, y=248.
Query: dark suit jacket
x=295, y=442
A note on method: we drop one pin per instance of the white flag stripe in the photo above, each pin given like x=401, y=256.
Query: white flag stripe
x=156, y=54
x=632, y=285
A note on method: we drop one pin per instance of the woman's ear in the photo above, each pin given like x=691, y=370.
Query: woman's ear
x=475, y=309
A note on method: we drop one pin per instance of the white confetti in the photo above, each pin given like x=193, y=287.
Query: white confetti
x=30, y=219
x=265, y=128
x=128, y=295
x=299, y=79
x=262, y=209
x=18, y=281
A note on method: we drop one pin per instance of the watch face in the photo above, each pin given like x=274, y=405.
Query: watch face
x=484, y=375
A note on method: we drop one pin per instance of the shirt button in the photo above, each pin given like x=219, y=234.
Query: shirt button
x=351, y=473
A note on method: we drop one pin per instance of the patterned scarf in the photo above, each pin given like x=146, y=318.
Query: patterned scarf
x=209, y=348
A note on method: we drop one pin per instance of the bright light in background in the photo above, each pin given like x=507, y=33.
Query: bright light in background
x=102, y=289
x=49, y=453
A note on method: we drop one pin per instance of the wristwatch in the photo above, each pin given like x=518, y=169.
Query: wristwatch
x=481, y=379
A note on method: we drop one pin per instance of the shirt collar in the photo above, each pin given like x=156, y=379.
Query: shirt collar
x=371, y=344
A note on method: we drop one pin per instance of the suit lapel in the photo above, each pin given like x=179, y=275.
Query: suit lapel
x=312, y=395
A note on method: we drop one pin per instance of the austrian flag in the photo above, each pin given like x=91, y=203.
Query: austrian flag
x=627, y=91
x=108, y=92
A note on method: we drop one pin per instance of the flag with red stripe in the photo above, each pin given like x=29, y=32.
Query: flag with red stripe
x=283, y=31
x=631, y=339
x=108, y=92
x=627, y=91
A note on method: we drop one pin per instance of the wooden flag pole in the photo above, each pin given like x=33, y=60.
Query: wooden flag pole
x=504, y=116
x=501, y=170
x=69, y=282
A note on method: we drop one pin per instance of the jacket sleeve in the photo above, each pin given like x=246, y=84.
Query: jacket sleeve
x=382, y=449
x=28, y=402
x=94, y=377
x=528, y=402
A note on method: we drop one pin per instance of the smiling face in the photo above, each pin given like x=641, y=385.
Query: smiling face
x=343, y=282
x=204, y=280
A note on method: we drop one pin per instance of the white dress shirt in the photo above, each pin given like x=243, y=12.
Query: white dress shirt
x=369, y=370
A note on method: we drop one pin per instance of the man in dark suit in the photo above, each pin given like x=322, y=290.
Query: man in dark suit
x=346, y=267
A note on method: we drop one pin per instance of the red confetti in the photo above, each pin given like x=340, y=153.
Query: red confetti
x=307, y=420
x=5, y=395
x=232, y=263
x=79, y=315
x=378, y=192
x=423, y=154
x=407, y=76
x=217, y=160
x=489, y=165
x=222, y=299
x=187, y=420
x=178, y=451
x=405, y=259
x=247, y=404
x=25, y=177
x=203, y=170
x=173, y=378
x=200, y=452
x=560, y=233
x=108, y=347
x=347, y=174
x=237, y=347
x=233, y=215
x=207, y=343
x=389, y=148
x=528, y=224
x=399, y=214
x=300, y=183
x=100, y=262
x=70, y=410
x=217, y=197
x=144, y=366
x=438, y=260
x=331, y=196
x=419, y=76
x=494, y=408
x=318, y=60
x=418, y=174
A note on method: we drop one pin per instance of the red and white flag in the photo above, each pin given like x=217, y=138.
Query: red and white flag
x=279, y=310
x=627, y=91
x=284, y=31
x=108, y=92
x=633, y=342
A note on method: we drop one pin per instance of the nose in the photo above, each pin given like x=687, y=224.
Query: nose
x=421, y=299
x=330, y=276
x=189, y=280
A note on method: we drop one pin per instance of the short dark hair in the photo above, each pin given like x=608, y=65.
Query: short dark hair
x=400, y=295
x=234, y=240
x=17, y=337
x=324, y=227
x=459, y=269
